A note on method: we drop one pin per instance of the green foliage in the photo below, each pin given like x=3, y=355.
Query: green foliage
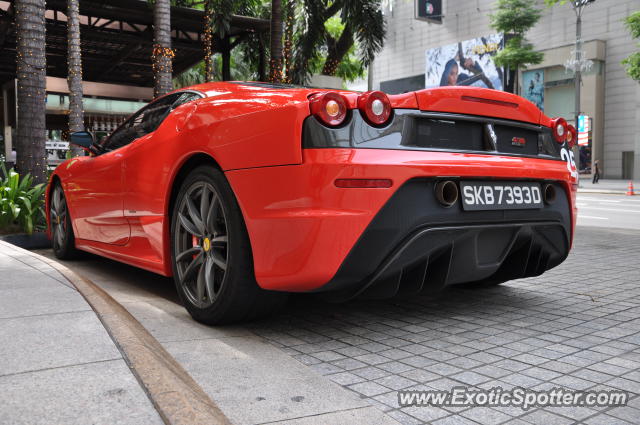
x=514, y=18
x=21, y=203
x=632, y=63
x=366, y=19
x=632, y=22
x=245, y=56
x=192, y=76
x=518, y=52
x=351, y=67
x=632, y=66
x=242, y=69
x=317, y=25
x=361, y=27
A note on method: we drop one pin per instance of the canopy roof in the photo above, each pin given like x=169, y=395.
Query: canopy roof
x=117, y=39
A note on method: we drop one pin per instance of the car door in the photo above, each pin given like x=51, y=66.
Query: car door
x=98, y=181
x=95, y=191
x=145, y=170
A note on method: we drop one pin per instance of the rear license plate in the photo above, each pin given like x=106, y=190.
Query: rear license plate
x=481, y=195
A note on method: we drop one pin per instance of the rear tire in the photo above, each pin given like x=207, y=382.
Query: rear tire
x=62, y=238
x=211, y=253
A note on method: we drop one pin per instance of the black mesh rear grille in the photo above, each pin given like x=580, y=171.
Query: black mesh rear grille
x=447, y=134
x=468, y=135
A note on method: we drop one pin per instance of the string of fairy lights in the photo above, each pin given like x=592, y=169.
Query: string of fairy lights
x=207, y=40
x=74, y=71
x=162, y=65
x=287, y=53
x=331, y=66
x=31, y=65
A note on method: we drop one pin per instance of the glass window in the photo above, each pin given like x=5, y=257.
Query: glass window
x=185, y=97
x=145, y=121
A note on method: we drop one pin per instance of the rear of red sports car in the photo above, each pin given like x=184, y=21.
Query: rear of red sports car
x=411, y=192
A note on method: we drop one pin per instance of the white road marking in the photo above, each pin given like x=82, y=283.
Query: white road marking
x=591, y=217
x=611, y=209
x=598, y=200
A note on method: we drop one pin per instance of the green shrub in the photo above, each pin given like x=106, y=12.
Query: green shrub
x=21, y=203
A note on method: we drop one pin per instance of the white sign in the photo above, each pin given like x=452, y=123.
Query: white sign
x=57, y=145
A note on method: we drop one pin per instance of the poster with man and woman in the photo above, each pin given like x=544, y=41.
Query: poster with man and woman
x=466, y=63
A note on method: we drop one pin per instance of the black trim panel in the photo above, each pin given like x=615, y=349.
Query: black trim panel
x=402, y=134
x=414, y=243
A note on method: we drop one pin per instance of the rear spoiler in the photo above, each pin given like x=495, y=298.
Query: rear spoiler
x=471, y=101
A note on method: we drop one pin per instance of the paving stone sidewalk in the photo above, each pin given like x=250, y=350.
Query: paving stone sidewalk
x=577, y=327
x=613, y=186
x=58, y=364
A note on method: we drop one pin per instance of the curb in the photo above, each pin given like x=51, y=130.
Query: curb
x=605, y=191
x=174, y=393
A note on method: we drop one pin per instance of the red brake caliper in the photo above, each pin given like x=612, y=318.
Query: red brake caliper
x=195, y=243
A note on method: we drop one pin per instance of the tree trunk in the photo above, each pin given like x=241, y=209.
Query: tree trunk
x=226, y=59
x=208, y=41
x=510, y=77
x=74, y=72
x=275, y=63
x=337, y=51
x=287, y=55
x=31, y=67
x=261, y=60
x=162, y=53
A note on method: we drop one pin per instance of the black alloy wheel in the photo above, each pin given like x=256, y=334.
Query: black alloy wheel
x=62, y=237
x=211, y=253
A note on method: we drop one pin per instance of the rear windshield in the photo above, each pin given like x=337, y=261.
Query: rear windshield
x=267, y=85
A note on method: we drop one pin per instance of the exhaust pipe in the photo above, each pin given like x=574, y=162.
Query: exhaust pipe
x=447, y=193
x=549, y=193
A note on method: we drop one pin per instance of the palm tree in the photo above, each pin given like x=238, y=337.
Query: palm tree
x=275, y=63
x=218, y=17
x=31, y=68
x=162, y=53
x=363, y=23
x=287, y=57
x=74, y=72
x=208, y=40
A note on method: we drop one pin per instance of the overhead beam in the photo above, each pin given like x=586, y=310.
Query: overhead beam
x=119, y=59
x=138, y=12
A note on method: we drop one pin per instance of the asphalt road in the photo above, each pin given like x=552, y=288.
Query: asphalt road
x=616, y=211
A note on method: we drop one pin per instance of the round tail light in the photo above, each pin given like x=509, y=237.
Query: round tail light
x=572, y=135
x=559, y=129
x=375, y=107
x=330, y=108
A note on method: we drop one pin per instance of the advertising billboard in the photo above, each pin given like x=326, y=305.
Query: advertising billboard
x=466, y=63
x=533, y=87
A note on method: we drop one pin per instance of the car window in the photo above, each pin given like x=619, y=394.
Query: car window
x=185, y=98
x=143, y=122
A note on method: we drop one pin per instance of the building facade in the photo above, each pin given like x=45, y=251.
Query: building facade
x=609, y=98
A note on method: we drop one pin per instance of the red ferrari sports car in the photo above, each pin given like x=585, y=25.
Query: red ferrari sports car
x=245, y=191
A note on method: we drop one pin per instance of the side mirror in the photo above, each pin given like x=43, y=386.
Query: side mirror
x=84, y=139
